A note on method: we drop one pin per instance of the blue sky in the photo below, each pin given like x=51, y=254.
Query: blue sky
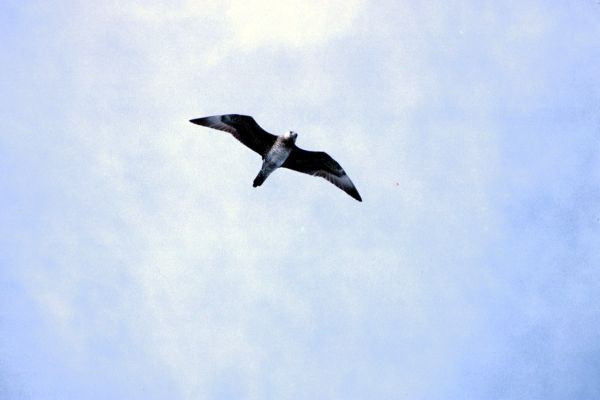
x=138, y=262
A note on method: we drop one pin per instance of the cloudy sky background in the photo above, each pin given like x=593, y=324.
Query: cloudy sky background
x=137, y=261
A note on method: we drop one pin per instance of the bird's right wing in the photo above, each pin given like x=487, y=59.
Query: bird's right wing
x=243, y=127
x=318, y=163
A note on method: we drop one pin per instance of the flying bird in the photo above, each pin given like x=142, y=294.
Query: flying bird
x=280, y=151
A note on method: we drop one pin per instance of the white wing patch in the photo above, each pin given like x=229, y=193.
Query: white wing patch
x=216, y=123
x=343, y=182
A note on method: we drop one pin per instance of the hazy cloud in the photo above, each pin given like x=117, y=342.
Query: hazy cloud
x=140, y=263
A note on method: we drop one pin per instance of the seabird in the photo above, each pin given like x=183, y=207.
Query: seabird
x=280, y=151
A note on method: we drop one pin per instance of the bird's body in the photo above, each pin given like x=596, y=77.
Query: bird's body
x=275, y=157
x=280, y=151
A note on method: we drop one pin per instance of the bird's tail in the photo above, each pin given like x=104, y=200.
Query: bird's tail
x=260, y=178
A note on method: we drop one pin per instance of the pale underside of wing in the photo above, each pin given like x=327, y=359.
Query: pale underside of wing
x=243, y=127
x=318, y=163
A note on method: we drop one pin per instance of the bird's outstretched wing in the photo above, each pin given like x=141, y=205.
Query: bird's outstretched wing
x=243, y=127
x=318, y=163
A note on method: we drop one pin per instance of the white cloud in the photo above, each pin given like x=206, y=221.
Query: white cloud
x=161, y=248
x=293, y=23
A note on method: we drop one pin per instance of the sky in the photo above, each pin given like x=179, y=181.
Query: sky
x=138, y=262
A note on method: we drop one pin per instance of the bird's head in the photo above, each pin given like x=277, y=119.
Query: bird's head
x=291, y=136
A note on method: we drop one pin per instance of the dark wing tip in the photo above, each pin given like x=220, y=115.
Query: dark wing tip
x=354, y=193
x=199, y=121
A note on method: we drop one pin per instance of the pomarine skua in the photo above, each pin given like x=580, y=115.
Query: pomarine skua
x=280, y=151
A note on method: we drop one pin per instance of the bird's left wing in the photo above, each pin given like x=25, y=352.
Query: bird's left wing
x=318, y=163
x=243, y=127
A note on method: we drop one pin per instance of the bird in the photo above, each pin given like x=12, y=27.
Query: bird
x=280, y=151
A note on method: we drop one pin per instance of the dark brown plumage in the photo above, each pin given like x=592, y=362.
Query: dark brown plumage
x=280, y=151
